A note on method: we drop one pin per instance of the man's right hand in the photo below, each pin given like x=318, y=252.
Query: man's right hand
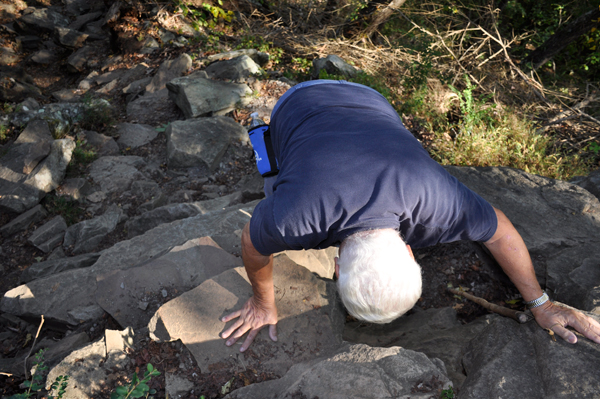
x=251, y=318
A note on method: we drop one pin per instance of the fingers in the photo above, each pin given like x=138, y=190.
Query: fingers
x=231, y=329
x=587, y=326
x=273, y=332
x=564, y=333
x=231, y=316
x=249, y=339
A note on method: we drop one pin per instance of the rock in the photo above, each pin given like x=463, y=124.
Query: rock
x=184, y=267
x=310, y=319
x=334, y=65
x=176, y=386
x=82, y=20
x=197, y=96
x=202, y=140
x=152, y=108
x=87, y=369
x=104, y=145
x=50, y=235
x=54, y=266
x=169, y=213
x=116, y=173
x=436, y=332
x=357, y=371
x=149, y=45
x=15, y=91
x=74, y=188
x=8, y=56
x=259, y=57
x=23, y=221
x=559, y=222
x=318, y=261
x=78, y=60
x=67, y=95
x=137, y=86
x=119, y=341
x=33, y=145
x=86, y=236
x=41, y=20
x=591, y=182
x=237, y=69
x=57, y=351
x=70, y=38
x=512, y=360
x=29, y=42
x=168, y=71
x=44, y=56
x=113, y=13
x=133, y=135
x=69, y=296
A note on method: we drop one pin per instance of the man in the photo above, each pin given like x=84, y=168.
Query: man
x=351, y=174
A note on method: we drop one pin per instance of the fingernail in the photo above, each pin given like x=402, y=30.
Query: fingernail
x=228, y=343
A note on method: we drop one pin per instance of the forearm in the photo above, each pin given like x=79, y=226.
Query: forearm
x=259, y=269
x=510, y=251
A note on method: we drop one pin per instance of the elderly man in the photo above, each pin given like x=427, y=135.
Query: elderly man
x=351, y=174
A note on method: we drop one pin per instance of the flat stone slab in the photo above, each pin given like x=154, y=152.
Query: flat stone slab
x=357, y=371
x=512, y=360
x=132, y=296
x=309, y=311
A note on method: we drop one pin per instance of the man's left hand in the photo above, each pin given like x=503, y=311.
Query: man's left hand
x=556, y=318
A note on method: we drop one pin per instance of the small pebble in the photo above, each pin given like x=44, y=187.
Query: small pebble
x=164, y=293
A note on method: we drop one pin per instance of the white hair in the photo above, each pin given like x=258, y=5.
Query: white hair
x=378, y=279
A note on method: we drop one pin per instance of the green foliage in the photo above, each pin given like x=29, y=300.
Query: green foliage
x=137, y=388
x=259, y=43
x=97, y=115
x=4, y=129
x=594, y=147
x=208, y=16
x=83, y=154
x=298, y=69
x=447, y=393
x=474, y=111
x=363, y=78
x=36, y=384
x=7, y=108
x=64, y=206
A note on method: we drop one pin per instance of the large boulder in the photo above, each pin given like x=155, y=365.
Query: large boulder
x=197, y=96
x=168, y=71
x=512, y=360
x=237, y=69
x=201, y=141
x=116, y=173
x=310, y=319
x=357, y=371
x=559, y=221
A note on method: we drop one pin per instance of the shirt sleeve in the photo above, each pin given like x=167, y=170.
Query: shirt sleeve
x=476, y=219
x=264, y=234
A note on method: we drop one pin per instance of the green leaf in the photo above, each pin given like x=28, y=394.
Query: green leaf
x=137, y=393
x=122, y=391
x=150, y=367
x=152, y=391
x=115, y=395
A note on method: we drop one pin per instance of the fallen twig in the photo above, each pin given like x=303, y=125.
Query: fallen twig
x=521, y=317
x=37, y=334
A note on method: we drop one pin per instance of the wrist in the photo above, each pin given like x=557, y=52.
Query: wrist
x=536, y=303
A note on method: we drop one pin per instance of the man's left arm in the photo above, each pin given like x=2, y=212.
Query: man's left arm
x=509, y=250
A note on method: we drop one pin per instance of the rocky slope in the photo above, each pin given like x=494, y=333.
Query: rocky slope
x=132, y=255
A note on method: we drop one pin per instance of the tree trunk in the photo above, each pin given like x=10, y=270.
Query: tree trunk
x=563, y=38
x=380, y=16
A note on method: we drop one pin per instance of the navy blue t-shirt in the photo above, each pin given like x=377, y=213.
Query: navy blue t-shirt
x=348, y=164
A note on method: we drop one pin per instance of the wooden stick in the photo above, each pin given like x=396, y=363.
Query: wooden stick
x=521, y=317
x=32, y=346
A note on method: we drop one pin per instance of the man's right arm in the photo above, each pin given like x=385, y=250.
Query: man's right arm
x=260, y=309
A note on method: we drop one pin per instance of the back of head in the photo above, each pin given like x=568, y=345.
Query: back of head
x=378, y=278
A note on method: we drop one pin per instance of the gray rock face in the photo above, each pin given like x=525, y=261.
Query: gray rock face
x=116, y=173
x=197, y=96
x=22, y=221
x=310, y=319
x=172, y=212
x=357, y=371
x=78, y=60
x=151, y=108
x=334, y=65
x=559, y=221
x=69, y=296
x=590, y=182
x=103, y=144
x=50, y=235
x=436, y=332
x=512, y=360
x=70, y=38
x=168, y=71
x=20, y=192
x=41, y=19
x=86, y=236
x=132, y=296
x=237, y=69
x=133, y=135
x=259, y=57
x=54, y=266
x=202, y=140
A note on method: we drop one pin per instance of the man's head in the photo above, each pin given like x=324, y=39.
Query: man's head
x=378, y=277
